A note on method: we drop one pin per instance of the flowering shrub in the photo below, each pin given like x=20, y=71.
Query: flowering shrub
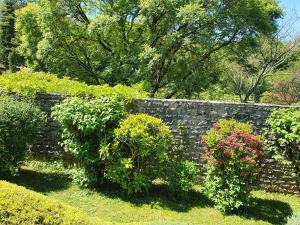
x=140, y=152
x=283, y=138
x=233, y=156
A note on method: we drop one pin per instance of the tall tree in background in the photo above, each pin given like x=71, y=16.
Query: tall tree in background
x=249, y=68
x=173, y=45
x=9, y=57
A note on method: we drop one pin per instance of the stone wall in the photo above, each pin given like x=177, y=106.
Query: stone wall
x=197, y=117
x=47, y=145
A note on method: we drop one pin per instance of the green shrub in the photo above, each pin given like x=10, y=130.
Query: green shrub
x=182, y=175
x=20, y=123
x=283, y=138
x=26, y=82
x=233, y=157
x=87, y=128
x=21, y=206
x=139, y=153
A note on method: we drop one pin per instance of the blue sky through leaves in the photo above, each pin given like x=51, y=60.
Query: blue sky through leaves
x=292, y=10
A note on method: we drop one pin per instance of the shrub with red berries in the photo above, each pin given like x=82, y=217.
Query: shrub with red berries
x=233, y=154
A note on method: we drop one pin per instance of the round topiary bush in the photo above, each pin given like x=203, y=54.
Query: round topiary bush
x=139, y=153
x=21, y=206
x=233, y=156
x=20, y=122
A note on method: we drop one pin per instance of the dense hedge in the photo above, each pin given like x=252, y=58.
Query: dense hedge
x=21, y=206
x=26, y=82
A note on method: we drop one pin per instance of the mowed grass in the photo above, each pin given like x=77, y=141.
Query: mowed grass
x=158, y=206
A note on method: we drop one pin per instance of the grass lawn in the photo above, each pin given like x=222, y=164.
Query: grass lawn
x=158, y=207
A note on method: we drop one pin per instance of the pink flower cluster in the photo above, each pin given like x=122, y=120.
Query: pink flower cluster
x=242, y=147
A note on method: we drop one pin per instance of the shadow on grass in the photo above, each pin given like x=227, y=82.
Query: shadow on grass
x=158, y=195
x=272, y=211
x=40, y=181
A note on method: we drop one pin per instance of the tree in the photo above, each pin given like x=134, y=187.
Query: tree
x=9, y=57
x=285, y=86
x=250, y=66
x=170, y=44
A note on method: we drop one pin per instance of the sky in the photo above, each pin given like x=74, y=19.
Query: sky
x=292, y=10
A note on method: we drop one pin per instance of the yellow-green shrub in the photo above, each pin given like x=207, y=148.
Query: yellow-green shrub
x=26, y=82
x=140, y=152
x=21, y=206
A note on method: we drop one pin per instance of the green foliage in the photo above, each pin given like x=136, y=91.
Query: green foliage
x=46, y=166
x=182, y=175
x=21, y=206
x=9, y=57
x=139, y=153
x=170, y=44
x=284, y=86
x=20, y=123
x=217, y=93
x=283, y=138
x=224, y=128
x=233, y=157
x=26, y=82
x=88, y=126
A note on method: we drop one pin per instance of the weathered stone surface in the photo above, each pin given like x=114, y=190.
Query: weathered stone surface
x=197, y=116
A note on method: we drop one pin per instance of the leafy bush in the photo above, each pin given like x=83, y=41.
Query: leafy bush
x=233, y=156
x=87, y=127
x=283, y=138
x=20, y=122
x=21, y=206
x=26, y=82
x=181, y=173
x=139, y=153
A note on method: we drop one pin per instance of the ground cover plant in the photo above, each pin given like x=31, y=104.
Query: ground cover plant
x=157, y=206
x=20, y=122
x=233, y=156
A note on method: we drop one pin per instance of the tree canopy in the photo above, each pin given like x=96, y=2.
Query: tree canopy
x=172, y=45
